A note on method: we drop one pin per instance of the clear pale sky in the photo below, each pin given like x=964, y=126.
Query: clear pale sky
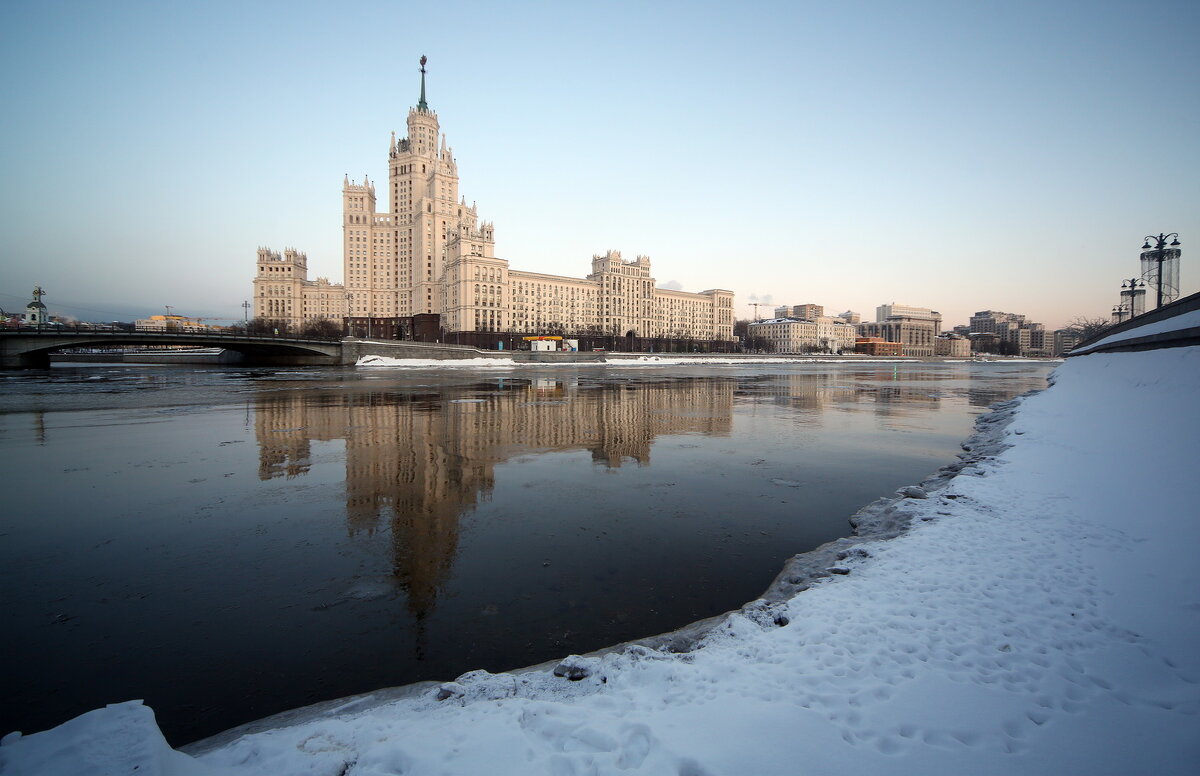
x=955, y=155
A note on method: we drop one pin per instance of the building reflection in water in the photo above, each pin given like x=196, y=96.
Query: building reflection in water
x=416, y=463
x=891, y=393
x=894, y=392
x=417, y=460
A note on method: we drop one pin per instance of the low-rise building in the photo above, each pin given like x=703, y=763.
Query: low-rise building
x=952, y=346
x=180, y=323
x=877, y=346
x=791, y=335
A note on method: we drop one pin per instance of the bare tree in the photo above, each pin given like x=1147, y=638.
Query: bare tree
x=1086, y=328
x=267, y=326
x=750, y=341
x=321, y=328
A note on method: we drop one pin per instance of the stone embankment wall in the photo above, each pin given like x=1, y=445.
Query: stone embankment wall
x=1158, y=333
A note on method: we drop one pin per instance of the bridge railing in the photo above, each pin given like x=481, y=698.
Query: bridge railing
x=49, y=329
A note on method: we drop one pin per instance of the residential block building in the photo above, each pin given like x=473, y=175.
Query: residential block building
x=791, y=335
x=804, y=312
x=952, y=345
x=283, y=292
x=1010, y=333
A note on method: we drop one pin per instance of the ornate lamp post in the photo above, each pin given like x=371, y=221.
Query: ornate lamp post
x=1133, y=290
x=1161, y=252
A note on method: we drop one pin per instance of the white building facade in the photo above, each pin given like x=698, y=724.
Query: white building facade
x=790, y=335
x=283, y=292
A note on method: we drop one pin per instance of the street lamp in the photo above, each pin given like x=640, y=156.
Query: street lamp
x=1165, y=278
x=1133, y=290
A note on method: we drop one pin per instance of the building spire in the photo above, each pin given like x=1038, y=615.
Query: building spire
x=421, y=105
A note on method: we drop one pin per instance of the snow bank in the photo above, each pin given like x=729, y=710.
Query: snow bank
x=120, y=738
x=1039, y=616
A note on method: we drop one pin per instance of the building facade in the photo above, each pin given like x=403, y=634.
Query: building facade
x=885, y=311
x=791, y=335
x=429, y=254
x=803, y=312
x=283, y=292
x=877, y=346
x=1011, y=334
x=915, y=328
x=952, y=345
x=175, y=323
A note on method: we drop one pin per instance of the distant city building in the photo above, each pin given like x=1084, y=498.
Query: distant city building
x=952, y=345
x=173, y=323
x=1064, y=341
x=885, y=311
x=430, y=255
x=878, y=346
x=802, y=312
x=994, y=322
x=1013, y=334
x=792, y=335
x=850, y=317
x=914, y=327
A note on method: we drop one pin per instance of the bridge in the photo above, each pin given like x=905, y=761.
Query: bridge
x=29, y=347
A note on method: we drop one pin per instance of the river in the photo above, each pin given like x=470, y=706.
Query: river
x=228, y=543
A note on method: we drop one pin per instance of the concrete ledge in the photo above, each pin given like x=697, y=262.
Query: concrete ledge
x=1177, y=338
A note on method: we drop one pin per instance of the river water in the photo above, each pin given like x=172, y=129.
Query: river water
x=230, y=543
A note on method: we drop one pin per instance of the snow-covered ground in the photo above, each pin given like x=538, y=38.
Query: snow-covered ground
x=1041, y=616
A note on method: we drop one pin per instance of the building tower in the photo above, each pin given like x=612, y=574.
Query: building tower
x=395, y=261
x=35, y=311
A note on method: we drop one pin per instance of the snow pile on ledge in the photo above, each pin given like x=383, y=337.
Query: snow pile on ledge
x=1040, y=616
x=433, y=363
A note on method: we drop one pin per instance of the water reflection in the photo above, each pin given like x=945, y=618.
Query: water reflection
x=415, y=463
x=897, y=391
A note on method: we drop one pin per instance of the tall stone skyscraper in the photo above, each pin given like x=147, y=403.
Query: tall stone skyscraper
x=429, y=255
x=394, y=261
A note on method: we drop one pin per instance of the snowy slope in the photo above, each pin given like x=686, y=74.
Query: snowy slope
x=1041, y=616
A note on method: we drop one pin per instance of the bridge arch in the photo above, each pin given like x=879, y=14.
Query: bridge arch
x=30, y=348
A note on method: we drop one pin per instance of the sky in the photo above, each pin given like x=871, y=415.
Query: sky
x=959, y=156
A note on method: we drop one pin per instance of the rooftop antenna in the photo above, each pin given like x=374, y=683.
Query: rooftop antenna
x=421, y=105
